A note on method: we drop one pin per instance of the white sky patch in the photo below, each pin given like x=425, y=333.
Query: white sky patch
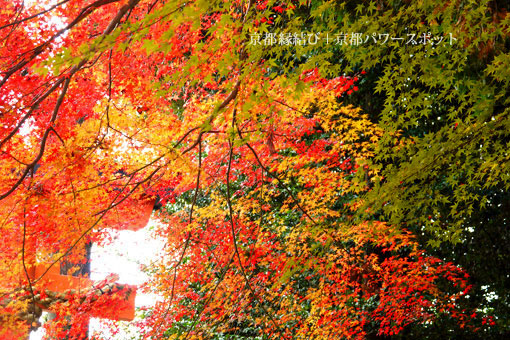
x=130, y=251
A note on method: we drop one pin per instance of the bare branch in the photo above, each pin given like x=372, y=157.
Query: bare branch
x=234, y=237
x=30, y=287
x=17, y=22
x=277, y=178
x=64, y=79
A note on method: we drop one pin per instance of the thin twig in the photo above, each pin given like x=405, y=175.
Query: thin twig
x=232, y=227
x=188, y=237
x=30, y=287
x=277, y=178
x=220, y=280
x=17, y=22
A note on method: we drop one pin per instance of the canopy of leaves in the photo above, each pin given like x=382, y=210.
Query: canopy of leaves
x=288, y=213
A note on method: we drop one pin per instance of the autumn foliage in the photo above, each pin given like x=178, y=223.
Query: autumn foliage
x=107, y=106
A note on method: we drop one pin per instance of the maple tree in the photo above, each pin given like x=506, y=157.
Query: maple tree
x=447, y=181
x=108, y=105
x=288, y=265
